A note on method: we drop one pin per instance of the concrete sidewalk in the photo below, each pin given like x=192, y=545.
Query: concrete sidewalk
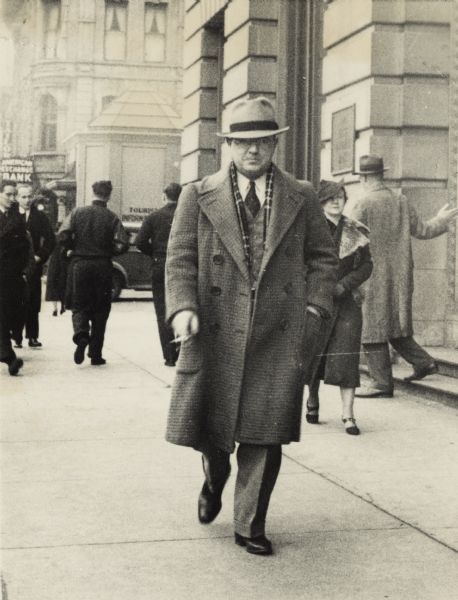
x=97, y=506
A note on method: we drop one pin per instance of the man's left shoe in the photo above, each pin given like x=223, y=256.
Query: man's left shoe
x=209, y=505
x=34, y=343
x=98, y=361
x=169, y=363
x=370, y=392
x=15, y=365
x=259, y=545
x=78, y=356
x=420, y=372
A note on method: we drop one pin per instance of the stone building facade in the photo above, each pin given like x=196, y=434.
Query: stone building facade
x=349, y=77
x=73, y=58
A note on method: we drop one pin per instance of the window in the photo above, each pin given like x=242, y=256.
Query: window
x=52, y=42
x=155, y=18
x=48, y=123
x=106, y=101
x=115, y=29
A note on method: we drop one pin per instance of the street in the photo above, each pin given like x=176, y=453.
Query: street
x=97, y=506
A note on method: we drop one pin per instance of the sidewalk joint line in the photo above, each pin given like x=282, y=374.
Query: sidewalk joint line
x=371, y=503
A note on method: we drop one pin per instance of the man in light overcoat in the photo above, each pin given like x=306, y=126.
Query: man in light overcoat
x=250, y=273
x=387, y=307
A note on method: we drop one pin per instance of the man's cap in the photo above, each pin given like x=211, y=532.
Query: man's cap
x=329, y=189
x=252, y=118
x=370, y=164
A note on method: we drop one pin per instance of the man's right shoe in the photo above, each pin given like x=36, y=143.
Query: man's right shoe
x=209, y=504
x=98, y=361
x=78, y=356
x=370, y=392
x=15, y=365
x=420, y=372
x=259, y=545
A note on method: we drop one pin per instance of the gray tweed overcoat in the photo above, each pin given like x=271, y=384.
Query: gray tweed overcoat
x=387, y=307
x=241, y=378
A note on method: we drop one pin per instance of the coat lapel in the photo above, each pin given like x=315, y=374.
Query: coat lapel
x=219, y=206
x=285, y=206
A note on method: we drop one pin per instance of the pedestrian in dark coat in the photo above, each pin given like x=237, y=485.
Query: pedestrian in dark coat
x=152, y=240
x=43, y=242
x=387, y=307
x=250, y=273
x=338, y=363
x=15, y=255
x=56, y=278
x=93, y=234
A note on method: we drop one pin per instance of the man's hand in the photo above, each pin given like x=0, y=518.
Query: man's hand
x=447, y=214
x=185, y=324
x=37, y=258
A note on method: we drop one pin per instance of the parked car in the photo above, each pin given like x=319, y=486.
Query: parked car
x=131, y=270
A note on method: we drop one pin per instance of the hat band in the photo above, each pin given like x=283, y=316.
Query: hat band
x=254, y=126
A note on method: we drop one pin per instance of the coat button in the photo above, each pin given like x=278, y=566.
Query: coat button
x=215, y=290
x=214, y=327
x=284, y=325
x=288, y=288
x=290, y=252
x=218, y=259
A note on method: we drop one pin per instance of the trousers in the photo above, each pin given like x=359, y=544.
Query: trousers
x=379, y=362
x=258, y=468
x=33, y=307
x=169, y=349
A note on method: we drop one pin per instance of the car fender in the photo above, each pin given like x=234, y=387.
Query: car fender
x=121, y=270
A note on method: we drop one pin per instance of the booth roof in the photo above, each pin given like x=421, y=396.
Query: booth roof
x=138, y=110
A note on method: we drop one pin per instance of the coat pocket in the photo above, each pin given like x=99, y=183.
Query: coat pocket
x=191, y=357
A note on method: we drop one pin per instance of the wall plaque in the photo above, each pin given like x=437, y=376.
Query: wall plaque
x=343, y=140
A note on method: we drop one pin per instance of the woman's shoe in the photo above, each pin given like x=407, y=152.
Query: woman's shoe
x=312, y=415
x=352, y=428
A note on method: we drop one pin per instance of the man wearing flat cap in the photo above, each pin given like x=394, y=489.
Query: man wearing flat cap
x=93, y=234
x=387, y=307
x=250, y=273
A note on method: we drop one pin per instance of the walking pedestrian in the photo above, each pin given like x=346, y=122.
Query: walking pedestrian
x=341, y=338
x=15, y=255
x=152, y=240
x=93, y=234
x=250, y=273
x=43, y=242
x=387, y=307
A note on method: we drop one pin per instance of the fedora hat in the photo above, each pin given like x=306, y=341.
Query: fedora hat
x=369, y=164
x=252, y=118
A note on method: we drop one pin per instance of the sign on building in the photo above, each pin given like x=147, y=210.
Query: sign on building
x=343, y=140
x=19, y=170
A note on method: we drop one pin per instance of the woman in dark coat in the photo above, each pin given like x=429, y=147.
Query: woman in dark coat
x=339, y=359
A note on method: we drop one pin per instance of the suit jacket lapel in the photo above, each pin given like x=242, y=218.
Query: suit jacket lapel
x=219, y=206
x=285, y=206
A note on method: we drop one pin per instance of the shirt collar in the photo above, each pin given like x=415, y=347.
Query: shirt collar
x=3, y=209
x=260, y=186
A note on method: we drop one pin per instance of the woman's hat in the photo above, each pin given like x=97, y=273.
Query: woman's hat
x=370, y=164
x=329, y=189
x=252, y=118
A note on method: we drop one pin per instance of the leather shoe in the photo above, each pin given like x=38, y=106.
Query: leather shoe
x=98, y=361
x=370, y=392
x=78, y=356
x=15, y=365
x=209, y=504
x=259, y=545
x=420, y=372
x=169, y=363
x=34, y=343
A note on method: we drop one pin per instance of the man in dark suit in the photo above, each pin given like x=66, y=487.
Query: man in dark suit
x=251, y=270
x=43, y=242
x=15, y=254
x=152, y=240
x=93, y=234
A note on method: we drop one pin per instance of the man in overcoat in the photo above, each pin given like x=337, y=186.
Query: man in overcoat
x=93, y=234
x=43, y=242
x=250, y=273
x=15, y=256
x=387, y=307
x=152, y=240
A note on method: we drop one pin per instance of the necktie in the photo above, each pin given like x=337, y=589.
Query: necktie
x=252, y=201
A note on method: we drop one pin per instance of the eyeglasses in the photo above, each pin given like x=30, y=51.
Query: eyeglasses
x=264, y=142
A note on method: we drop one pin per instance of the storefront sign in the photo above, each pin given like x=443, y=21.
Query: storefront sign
x=343, y=140
x=135, y=214
x=19, y=170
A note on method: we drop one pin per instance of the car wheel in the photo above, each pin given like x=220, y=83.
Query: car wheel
x=117, y=284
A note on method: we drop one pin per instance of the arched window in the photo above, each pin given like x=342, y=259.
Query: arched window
x=48, y=122
x=155, y=21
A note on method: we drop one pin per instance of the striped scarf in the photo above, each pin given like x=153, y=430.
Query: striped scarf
x=241, y=211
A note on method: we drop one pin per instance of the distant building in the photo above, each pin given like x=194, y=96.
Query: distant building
x=75, y=63
x=349, y=77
